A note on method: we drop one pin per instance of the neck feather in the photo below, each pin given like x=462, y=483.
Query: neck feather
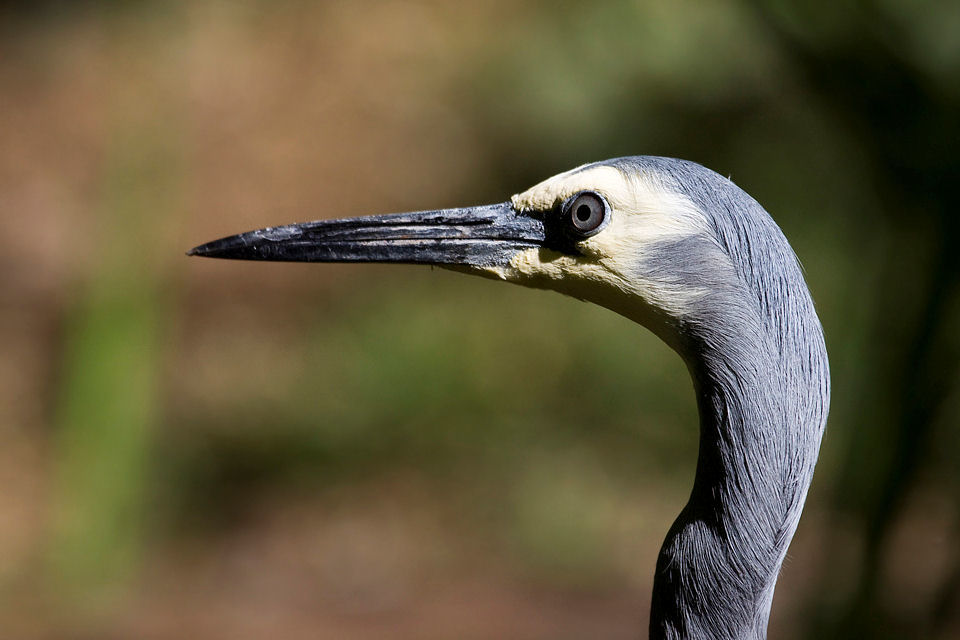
x=762, y=396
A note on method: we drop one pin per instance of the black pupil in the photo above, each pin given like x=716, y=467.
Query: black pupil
x=584, y=212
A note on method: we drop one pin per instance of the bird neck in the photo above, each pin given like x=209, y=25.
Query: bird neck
x=762, y=397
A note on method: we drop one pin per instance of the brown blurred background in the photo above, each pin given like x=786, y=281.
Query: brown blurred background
x=196, y=449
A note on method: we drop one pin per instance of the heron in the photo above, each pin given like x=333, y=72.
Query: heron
x=692, y=257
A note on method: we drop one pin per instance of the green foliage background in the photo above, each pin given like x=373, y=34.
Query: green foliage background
x=209, y=449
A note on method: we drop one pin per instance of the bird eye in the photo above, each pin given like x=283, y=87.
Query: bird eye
x=586, y=213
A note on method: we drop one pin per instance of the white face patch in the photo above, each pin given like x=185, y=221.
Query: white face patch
x=608, y=272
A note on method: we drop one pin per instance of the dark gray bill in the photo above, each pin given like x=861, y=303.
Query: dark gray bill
x=478, y=236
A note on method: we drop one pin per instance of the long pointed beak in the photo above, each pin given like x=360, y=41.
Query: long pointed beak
x=481, y=236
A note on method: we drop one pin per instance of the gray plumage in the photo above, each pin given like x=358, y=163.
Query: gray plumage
x=761, y=376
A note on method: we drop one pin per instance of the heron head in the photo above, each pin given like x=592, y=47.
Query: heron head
x=619, y=233
x=623, y=235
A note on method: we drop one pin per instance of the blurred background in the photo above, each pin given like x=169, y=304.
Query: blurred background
x=204, y=449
